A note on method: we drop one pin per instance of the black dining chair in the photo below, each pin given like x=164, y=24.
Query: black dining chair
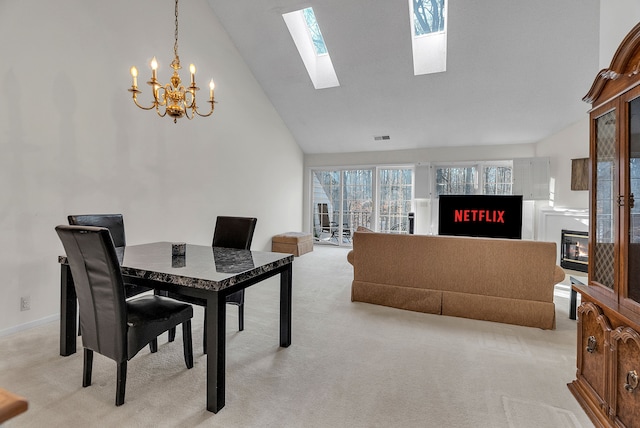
x=229, y=232
x=111, y=325
x=115, y=224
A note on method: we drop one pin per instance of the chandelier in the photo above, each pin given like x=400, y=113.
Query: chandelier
x=177, y=100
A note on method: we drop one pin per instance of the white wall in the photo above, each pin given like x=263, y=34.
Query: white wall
x=71, y=140
x=617, y=18
x=570, y=143
x=568, y=209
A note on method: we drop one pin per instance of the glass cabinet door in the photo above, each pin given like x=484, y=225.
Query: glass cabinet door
x=633, y=207
x=602, y=270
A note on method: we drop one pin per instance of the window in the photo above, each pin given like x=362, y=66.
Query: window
x=395, y=192
x=357, y=200
x=428, y=16
x=476, y=179
x=497, y=180
x=376, y=198
x=305, y=32
x=456, y=180
x=428, y=22
x=314, y=31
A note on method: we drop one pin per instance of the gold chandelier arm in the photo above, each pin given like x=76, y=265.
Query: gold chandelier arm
x=161, y=114
x=135, y=93
x=195, y=109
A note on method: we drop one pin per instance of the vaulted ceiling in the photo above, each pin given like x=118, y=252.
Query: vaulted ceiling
x=516, y=71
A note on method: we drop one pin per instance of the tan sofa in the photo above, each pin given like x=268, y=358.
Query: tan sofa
x=502, y=280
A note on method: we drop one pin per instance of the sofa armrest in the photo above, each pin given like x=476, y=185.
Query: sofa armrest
x=558, y=274
x=350, y=257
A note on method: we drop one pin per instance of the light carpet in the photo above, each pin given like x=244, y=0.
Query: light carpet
x=350, y=365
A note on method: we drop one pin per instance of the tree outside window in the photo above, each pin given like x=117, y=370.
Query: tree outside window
x=428, y=16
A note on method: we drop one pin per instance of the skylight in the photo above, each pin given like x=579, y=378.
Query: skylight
x=428, y=17
x=306, y=34
x=428, y=20
x=314, y=31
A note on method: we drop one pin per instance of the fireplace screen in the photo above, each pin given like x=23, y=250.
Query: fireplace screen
x=574, y=251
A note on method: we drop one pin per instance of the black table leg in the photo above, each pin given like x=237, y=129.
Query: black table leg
x=573, y=297
x=572, y=304
x=285, y=306
x=216, y=351
x=68, y=312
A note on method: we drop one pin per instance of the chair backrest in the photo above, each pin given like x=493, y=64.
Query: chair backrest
x=323, y=212
x=234, y=232
x=99, y=286
x=113, y=222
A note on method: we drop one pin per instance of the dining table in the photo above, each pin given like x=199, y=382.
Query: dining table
x=205, y=272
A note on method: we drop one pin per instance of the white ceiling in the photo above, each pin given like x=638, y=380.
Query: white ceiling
x=516, y=71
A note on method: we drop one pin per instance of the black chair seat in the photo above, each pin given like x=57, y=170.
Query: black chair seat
x=150, y=316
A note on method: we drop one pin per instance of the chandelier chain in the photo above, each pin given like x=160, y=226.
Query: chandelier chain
x=175, y=46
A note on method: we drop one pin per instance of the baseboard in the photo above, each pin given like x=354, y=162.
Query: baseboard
x=27, y=326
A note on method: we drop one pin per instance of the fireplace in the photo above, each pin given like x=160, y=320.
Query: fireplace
x=574, y=250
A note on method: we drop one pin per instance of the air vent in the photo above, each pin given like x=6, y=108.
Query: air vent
x=381, y=138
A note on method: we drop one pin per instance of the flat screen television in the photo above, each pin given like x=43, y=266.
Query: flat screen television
x=489, y=216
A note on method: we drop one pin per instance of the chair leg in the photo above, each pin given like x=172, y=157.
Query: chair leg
x=204, y=335
x=187, y=343
x=172, y=334
x=121, y=383
x=241, y=316
x=88, y=367
x=153, y=345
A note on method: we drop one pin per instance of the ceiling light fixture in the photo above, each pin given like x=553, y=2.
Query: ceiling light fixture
x=177, y=100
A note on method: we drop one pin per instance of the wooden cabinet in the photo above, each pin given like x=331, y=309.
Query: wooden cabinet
x=608, y=351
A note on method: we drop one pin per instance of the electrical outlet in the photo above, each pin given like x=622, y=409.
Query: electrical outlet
x=25, y=303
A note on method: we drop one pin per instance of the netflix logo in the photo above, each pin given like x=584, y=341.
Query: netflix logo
x=488, y=216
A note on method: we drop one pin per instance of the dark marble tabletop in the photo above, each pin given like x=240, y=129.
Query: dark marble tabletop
x=204, y=267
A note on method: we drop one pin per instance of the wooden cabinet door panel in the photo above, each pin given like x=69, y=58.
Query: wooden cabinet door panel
x=593, y=349
x=625, y=344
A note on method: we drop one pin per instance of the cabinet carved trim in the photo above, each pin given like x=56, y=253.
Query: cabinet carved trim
x=625, y=62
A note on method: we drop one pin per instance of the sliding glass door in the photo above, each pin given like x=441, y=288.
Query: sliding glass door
x=345, y=199
x=395, y=198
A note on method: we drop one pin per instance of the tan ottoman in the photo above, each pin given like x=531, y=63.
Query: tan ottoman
x=296, y=243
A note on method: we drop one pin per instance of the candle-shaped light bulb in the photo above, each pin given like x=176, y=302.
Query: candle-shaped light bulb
x=211, y=88
x=192, y=69
x=154, y=67
x=134, y=74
